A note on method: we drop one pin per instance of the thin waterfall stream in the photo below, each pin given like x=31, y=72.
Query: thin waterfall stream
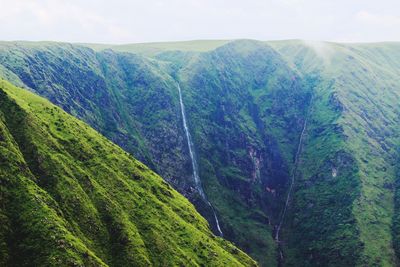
x=293, y=177
x=292, y=181
x=192, y=152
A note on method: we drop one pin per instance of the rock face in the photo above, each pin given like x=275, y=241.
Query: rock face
x=246, y=103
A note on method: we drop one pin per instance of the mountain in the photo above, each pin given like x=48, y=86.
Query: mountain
x=70, y=197
x=346, y=196
x=151, y=49
x=295, y=143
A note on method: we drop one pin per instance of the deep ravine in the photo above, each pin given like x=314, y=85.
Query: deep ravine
x=292, y=181
x=192, y=152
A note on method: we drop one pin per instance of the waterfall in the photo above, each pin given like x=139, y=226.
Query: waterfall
x=196, y=176
x=292, y=181
x=293, y=177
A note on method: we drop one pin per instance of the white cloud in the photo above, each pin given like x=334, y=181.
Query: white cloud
x=322, y=49
x=121, y=21
x=378, y=19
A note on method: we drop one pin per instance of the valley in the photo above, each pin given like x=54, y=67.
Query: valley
x=289, y=149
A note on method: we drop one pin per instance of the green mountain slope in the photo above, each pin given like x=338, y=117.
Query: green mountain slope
x=326, y=115
x=152, y=49
x=244, y=136
x=71, y=197
x=133, y=100
x=125, y=97
x=344, y=200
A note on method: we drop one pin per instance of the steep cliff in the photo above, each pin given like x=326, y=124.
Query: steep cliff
x=247, y=105
x=70, y=197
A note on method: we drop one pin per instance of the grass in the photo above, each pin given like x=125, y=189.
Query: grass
x=246, y=103
x=75, y=198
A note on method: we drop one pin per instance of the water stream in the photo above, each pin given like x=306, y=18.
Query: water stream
x=192, y=152
x=296, y=159
x=292, y=181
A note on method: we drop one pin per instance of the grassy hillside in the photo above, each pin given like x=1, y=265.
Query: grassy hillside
x=133, y=100
x=71, y=197
x=152, y=49
x=236, y=97
x=109, y=91
x=345, y=194
x=247, y=103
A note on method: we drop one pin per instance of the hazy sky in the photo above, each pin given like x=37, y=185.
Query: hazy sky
x=123, y=21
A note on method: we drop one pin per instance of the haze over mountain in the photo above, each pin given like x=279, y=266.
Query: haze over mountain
x=134, y=21
x=296, y=143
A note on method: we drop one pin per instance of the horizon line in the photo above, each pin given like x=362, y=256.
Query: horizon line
x=195, y=40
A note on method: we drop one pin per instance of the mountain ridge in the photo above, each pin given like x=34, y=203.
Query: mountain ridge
x=246, y=102
x=67, y=207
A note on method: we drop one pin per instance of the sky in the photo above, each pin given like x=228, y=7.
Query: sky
x=133, y=21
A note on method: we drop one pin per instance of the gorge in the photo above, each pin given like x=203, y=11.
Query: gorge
x=290, y=141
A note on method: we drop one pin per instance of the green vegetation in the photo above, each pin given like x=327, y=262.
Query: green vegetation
x=246, y=103
x=343, y=211
x=133, y=101
x=152, y=49
x=243, y=147
x=69, y=197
